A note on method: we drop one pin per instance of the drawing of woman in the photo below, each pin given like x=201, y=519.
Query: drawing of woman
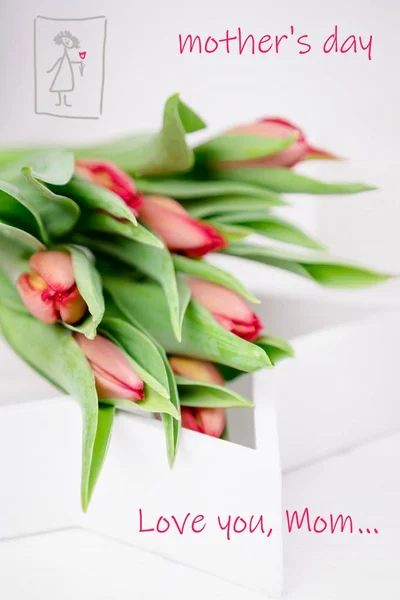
x=64, y=80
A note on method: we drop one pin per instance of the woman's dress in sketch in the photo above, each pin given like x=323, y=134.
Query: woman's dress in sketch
x=64, y=79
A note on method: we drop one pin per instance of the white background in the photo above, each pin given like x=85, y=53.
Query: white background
x=345, y=103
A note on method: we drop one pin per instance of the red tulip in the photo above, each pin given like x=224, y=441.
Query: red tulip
x=210, y=421
x=227, y=307
x=177, y=229
x=49, y=291
x=198, y=370
x=108, y=175
x=278, y=128
x=113, y=373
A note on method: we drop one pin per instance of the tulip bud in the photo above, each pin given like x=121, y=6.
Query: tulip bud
x=210, y=421
x=178, y=230
x=198, y=370
x=278, y=128
x=108, y=175
x=49, y=291
x=113, y=373
x=227, y=307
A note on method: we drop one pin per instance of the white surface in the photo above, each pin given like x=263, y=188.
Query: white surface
x=363, y=483
x=342, y=389
x=213, y=477
x=337, y=98
x=40, y=471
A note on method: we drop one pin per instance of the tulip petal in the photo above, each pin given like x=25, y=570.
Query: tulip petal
x=317, y=153
x=107, y=174
x=109, y=388
x=41, y=308
x=72, y=307
x=227, y=307
x=55, y=268
x=111, y=364
x=179, y=231
x=271, y=127
x=212, y=420
x=275, y=127
x=219, y=300
x=189, y=420
x=198, y=370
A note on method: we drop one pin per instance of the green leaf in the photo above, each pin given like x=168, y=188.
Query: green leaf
x=89, y=285
x=58, y=214
x=155, y=263
x=240, y=146
x=202, y=336
x=231, y=205
x=16, y=248
x=284, y=180
x=231, y=233
x=209, y=395
x=189, y=189
x=145, y=355
x=165, y=152
x=51, y=166
x=9, y=295
x=29, y=203
x=240, y=215
x=92, y=197
x=103, y=436
x=13, y=155
x=54, y=354
x=104, y=223
x=271, y=227
x=276, y=348
x=16, y=211
x=324, y=270
x=204, y=270
x=153, y=403
x=172, y=426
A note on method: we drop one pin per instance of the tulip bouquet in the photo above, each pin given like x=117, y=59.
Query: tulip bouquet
x=105, y=290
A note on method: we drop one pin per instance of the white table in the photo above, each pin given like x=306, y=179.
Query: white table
x=364, y=483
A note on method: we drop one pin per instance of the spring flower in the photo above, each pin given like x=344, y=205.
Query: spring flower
x=178, y=230
x=227, y=307
x=108, y=175
x=210, y=421
x=49, y=290
x=278, y=128
x=198, y=370
x=113, y=373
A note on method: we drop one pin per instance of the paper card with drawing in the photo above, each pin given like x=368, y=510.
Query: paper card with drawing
x=69, y=66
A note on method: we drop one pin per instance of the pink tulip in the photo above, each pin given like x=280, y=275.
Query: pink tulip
x=113, y=373
x=210, y=421
x=49, y=291
x=198, y=370
x=177, y=229
x=227, y=307
x=278, y=128
x=108, y=175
